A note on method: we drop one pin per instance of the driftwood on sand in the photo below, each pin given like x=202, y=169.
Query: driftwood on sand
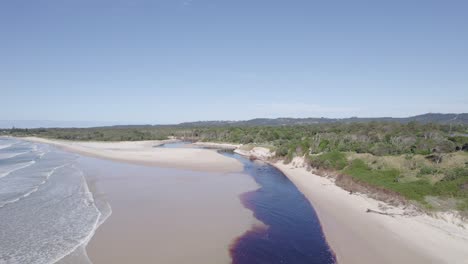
x=382, y=213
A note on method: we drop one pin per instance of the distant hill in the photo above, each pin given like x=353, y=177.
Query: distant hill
x=425, y=118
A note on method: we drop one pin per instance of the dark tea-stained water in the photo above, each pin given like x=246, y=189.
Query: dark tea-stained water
x=293, y=235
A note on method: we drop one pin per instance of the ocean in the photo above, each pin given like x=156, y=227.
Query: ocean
x=47, y=212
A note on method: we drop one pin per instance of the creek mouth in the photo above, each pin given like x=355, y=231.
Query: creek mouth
x=292, y=231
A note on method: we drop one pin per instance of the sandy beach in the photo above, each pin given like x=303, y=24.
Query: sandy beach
x=356, y=236
x=360, y=237
x=162, y=215
x=188, y=213
x=145, y=153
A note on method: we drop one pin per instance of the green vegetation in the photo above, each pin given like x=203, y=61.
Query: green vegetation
x=95, y=134
x=426, y=163
x=388, y=178
x=329, y=160
x=447, y=180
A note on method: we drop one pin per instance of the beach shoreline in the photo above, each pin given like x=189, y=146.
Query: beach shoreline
x=352, y=224
x=170, y=207
x=358, y=236
x=148, y=153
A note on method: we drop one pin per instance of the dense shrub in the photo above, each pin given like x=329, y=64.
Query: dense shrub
x=388, y=179
x=330, y=160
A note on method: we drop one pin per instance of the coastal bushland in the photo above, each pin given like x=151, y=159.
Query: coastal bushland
x=425, y=163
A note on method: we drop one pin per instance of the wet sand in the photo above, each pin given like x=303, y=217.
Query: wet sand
x=162, y=215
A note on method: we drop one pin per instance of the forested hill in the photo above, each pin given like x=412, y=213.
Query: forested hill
x=425, y=118
x=442, y=119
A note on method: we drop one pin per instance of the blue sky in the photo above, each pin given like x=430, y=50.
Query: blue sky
x=171, y=61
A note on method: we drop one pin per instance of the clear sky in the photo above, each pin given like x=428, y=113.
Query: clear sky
x=131, y=61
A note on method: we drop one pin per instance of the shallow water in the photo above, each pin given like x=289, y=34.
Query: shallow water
x=178, y=144
x=46, y=208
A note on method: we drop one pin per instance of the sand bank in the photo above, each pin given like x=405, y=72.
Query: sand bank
x=356, y=236
x=163, y=215
x=217, y=145
x=257, y=152
x=145, y=153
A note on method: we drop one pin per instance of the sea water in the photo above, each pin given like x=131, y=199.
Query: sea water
x=47, y=212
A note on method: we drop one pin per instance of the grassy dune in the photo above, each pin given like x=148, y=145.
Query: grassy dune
x=435, y=185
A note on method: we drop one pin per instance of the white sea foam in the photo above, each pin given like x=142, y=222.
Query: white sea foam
x=9, y=155
x=7, y=169
x=33, y=188
x=48, y=214
x=67, y=220
x=6, y=146
x=79, y=251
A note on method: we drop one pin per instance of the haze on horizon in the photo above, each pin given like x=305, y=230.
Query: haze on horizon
x=162, y=62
